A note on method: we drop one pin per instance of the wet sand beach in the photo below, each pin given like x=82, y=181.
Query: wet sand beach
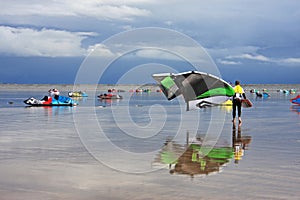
x=121, y=149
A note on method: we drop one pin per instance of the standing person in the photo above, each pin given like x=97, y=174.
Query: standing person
x=239, y=93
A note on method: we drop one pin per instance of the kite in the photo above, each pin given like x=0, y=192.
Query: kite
x=198, y=89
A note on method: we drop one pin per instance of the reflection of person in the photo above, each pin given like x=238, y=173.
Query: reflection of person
x=237, y=101
x=239, y=143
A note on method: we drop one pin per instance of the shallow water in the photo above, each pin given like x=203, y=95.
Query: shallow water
x=116, y=149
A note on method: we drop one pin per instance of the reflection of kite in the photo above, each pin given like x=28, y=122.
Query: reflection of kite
x=197, y=158
x=198, y=89
x=295, y=108
x=194, y=159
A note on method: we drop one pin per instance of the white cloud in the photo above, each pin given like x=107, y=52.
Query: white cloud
x=240, y=55
x=169, y=23
x=228, y=62
x=250, y=57
x=44, y=42
x=127, y=27
x=232, y=51
x=289, y=61
x=100, y=49
x=123, y=2
x=122, y=12
x=99, y=9
x=60, y=43
x=156, y=54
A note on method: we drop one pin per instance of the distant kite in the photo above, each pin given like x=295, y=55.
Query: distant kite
x=198, y=89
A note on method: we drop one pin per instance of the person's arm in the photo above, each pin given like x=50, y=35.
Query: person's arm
x=244, y=95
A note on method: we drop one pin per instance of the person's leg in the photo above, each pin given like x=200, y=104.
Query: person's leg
x=239, y=105
x=233, y=110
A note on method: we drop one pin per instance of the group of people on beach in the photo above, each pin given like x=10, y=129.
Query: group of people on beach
x=53, y=93
x=239, y=94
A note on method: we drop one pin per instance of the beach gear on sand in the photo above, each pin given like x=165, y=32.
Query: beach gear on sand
x=110, y=96
x=77, y=94
x=296, y=100
x=51, y=101
x=246, y=103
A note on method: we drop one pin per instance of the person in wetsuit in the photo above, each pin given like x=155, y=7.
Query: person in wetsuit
x=239, y=93
x=54, y=93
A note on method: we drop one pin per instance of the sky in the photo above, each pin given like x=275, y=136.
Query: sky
x=49, y=41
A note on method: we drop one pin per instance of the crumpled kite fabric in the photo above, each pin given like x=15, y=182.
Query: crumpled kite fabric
x=198, y=89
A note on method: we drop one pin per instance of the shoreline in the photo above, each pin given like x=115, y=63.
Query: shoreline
x=77, y=87
x=127, y=87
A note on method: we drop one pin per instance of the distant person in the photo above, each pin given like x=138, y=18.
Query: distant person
x=239, y=93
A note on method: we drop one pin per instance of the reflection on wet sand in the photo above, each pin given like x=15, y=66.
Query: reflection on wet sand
x=198, y=159
x=295, y=108
x=50, y=110
x=240, y=143
x=109, y=102
x=80, y=99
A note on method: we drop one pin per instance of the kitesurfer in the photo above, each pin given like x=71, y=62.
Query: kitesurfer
x=239, y=93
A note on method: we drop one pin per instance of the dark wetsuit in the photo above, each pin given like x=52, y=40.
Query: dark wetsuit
x=237, y=100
